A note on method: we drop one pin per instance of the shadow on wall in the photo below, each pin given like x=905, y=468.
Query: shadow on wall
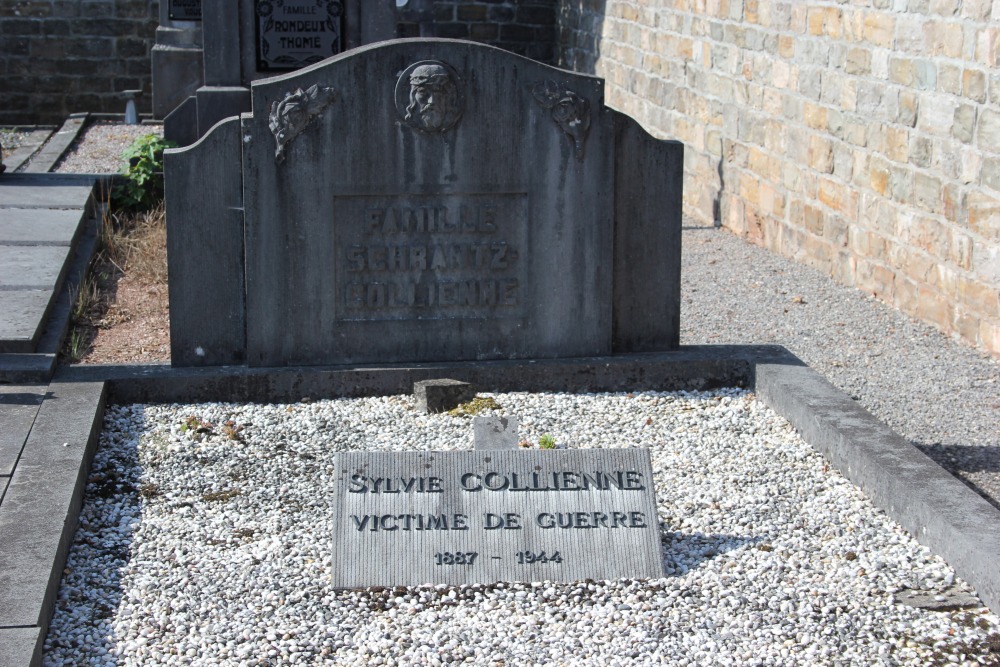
x=581, y=24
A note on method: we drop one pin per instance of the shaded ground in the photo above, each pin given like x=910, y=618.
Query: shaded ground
x=122, y=313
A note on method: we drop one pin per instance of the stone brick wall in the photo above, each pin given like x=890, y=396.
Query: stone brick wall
x=526, y=27
x=861, y=138
x=59, y=57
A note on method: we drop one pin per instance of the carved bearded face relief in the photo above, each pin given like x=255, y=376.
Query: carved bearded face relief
x=428, y=96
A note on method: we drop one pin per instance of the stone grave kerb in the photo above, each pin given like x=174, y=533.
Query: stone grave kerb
x=514, y=216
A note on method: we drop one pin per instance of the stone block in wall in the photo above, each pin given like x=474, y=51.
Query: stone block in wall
x=984, y=215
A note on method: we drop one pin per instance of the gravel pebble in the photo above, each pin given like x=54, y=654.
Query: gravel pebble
x=205, y=539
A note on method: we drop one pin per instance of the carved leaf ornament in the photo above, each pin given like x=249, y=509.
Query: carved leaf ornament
x=290, y=116
x=569, y=111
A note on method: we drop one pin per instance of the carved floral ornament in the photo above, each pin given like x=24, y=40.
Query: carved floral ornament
x=569, y=111
x=290, y=116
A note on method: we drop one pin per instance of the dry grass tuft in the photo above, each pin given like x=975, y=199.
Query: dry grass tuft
x=135, y=244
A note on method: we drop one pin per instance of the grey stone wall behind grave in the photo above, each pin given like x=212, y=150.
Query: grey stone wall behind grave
x=58, y=57
x=512, y=233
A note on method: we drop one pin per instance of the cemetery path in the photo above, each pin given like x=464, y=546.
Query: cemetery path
x=937, y=392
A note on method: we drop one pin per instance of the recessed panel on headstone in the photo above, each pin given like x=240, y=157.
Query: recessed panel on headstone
x=428, y=200
x=411, y=518
x=295, y=33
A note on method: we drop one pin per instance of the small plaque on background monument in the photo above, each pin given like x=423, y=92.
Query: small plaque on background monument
x=184, y=10
x=411, y=518
x=295, y=33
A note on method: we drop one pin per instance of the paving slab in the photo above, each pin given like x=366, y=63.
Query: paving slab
x=18, y=407
x=27, y=267
x=49, y=154
x=32, y=226
x=41, y=507
x=22, y=647
x=37, y=367
x=31, y=143
x=46, y=190
x=23, y=318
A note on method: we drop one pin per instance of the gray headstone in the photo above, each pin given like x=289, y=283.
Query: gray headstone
x=205, y=250
x=492, y=432
x=441, y=395
x=404, y=519
x=437, y=200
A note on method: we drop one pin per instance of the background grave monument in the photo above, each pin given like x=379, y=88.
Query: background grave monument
x=248, y=40
x=423, y=200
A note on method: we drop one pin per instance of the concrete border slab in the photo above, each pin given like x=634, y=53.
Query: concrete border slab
x=36, y=138
x=936, y=507
x=20, y=647
x=41, y=507
x=32, y=226
x=74, y=191
x=18, y=406
x=47, y=157
x=24, y=312
x=36, y=367
x=933, y=505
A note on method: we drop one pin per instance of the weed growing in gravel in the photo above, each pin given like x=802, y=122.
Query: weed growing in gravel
x=475, y=406
x=546, y=442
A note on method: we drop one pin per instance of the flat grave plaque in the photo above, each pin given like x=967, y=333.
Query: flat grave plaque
x=411, y=518
x=295, y=33
x=184, y=10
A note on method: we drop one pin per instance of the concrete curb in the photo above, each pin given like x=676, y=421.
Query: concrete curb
x=930, y=503
x=40, y=511
x=45, y=159
x=47, y=487
x=691, y=368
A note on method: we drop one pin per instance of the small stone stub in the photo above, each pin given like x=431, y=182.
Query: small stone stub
x=493, y=432
x=411, y=518
x=441, y=395
x=429, y=96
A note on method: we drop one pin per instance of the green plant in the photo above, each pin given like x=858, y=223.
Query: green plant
x=546, y=442
x=141, y=188
x=76, y=345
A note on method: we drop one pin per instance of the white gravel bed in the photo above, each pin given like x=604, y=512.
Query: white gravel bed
x=205, y=539
x=99, y=149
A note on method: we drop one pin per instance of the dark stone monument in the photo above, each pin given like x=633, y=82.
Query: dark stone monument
x=246, y=40
x=410, y=518
x=423, y=200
